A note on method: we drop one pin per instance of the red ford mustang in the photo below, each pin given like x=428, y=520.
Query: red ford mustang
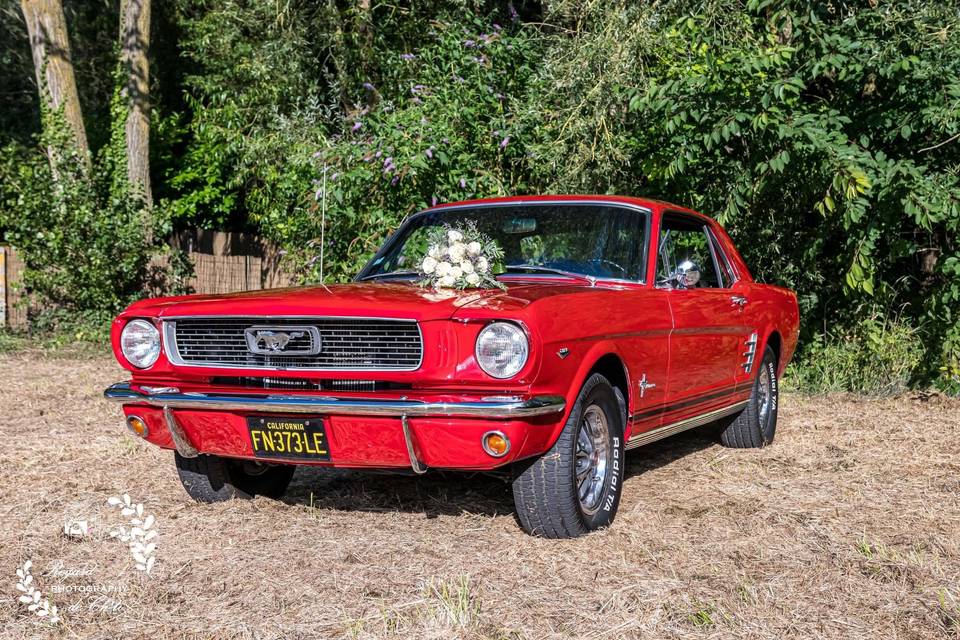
x=621, y=321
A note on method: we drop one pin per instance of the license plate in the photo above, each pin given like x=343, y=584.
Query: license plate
x=279, y=437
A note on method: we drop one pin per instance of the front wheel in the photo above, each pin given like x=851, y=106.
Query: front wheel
x=575, y=487
x=209, y=478
x=756, y=425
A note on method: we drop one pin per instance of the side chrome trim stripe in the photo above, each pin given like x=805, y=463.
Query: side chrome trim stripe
x=663, y=432
x=682, y=404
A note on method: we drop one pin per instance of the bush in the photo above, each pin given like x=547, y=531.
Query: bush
x=84, y=242
x=444, y=128
x=822, y=135
x=876, y=357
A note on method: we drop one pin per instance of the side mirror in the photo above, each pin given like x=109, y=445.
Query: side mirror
x=687, y=275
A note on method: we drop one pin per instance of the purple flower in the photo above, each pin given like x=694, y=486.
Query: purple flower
x=480, y=59
x=356, y=126
x=388, y=162
x=395, y=180
x=513, y=12
x=407, y=56
x=317, y=154
x=378, y=154
x=417, y=88
x=505, y=142
x=463, y=183
x=469, y=44
x=318, y=194
x=433, y=201
x=417, y=100
x=334, y=177
x=429, y=153
x=369, y=87
x=496, y=27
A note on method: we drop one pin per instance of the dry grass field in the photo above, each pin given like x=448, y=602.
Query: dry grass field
x=848, y=527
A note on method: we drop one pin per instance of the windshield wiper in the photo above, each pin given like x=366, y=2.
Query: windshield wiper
x=399, y=273
x=536, y=268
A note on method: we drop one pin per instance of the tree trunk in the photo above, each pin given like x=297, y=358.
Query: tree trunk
x=134, y=43
x=50, y=46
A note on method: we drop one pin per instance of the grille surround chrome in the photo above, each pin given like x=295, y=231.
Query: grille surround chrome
x=173, y=351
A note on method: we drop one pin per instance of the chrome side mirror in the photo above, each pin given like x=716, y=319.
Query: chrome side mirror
x=687, y=275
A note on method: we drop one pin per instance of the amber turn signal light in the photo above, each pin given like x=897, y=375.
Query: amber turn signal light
x=496, y=444
x=138, y=426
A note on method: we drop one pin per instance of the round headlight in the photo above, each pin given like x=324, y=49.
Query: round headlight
x=502, y=349
x=140, y=343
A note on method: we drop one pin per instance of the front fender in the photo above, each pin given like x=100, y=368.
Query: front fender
x=577, y=372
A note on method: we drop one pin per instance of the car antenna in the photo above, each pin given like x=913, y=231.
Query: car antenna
x=323, y=227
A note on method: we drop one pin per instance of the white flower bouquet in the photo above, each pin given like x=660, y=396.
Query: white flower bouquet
x=460, y=258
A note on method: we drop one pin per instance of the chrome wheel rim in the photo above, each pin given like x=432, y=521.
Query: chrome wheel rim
x=593, y=453
x=764, y=394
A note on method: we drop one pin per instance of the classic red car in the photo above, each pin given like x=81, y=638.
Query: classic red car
x=619, y=321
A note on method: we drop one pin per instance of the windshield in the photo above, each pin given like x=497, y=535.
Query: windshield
x=595, y=240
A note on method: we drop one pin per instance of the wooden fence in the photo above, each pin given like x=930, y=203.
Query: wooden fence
x=13, y=313
x=223, y=262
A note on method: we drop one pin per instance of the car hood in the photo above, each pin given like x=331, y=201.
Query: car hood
x=366, y=299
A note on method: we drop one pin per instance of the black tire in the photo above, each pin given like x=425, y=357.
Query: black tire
x=545, y=489
x=214, y=479
x=752, y=427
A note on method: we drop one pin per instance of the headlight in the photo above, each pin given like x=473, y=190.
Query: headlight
x=502, y=349
x=140, y=343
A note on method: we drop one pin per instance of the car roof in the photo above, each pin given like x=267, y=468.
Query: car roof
x=648, y=203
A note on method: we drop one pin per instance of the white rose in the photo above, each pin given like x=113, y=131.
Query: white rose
x=456, y=272
x=429, y=265
x=446, y=281
x=454, y=236
x=482, y=265
x=466, y=266
x=443, y=268
x=457, y=252
x=435, y=252
x=474, y=248
x=473, y=279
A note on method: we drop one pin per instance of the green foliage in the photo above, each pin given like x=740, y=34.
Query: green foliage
x=441, y=126
x=83, y=241
x=877, y=357
x=823, y=136
x=253, y=113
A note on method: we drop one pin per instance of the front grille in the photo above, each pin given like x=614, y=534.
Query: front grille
x=344, y=343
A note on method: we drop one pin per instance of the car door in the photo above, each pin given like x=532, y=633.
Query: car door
x=707, y=342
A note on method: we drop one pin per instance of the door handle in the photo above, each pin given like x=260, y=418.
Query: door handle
x=738, y=301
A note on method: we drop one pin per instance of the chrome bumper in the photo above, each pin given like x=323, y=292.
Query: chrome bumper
x=173, y=398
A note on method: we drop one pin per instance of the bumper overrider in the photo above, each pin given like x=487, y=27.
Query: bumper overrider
x=449, y=419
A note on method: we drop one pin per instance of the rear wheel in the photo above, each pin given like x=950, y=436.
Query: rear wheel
x=575, y=487
x=209, y=478
x=756, y=425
